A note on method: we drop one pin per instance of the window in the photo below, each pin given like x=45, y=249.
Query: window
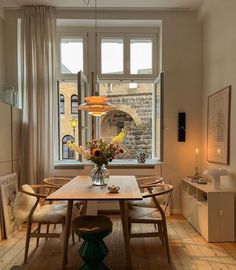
x=127, y=69
x=67, y=153
x=137, y=114
x=127, y=56
x=112, y=54
x=74, y=104
x=71, y=55
x=62, y=104
x=141, y=56
x=67, y=90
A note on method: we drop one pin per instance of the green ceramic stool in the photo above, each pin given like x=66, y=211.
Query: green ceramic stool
x=92, y=229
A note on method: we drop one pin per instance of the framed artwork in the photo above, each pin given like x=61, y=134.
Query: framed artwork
x=218, y=126
x=9, y=189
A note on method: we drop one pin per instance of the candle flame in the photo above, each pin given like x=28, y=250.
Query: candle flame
x=196, y=151
x=218, y=151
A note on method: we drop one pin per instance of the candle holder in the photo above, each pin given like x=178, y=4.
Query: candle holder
x=196, y=174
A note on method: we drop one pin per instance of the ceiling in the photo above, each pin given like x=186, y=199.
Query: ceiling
x=158, y=4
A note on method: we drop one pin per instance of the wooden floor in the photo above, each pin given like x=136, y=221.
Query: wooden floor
x=188, y=251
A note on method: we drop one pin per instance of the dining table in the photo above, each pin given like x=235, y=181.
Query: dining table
x=81, y=188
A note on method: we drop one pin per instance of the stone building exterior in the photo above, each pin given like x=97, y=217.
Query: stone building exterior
x=134, y=113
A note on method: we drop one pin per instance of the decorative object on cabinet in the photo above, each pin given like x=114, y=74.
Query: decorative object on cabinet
x=215, y=173
x=9, y=189
x=218, y=126
x=211, y=212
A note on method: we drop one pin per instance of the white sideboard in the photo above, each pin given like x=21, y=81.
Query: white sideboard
x=210, y=211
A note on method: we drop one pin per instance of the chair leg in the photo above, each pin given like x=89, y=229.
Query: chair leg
x=84, y=209
x=63, y=227
x=166, y=241
x=27, y=239
x=161, y=233
x=47, y=230
x=129, y=227
x=38, y=230
x=73, y=238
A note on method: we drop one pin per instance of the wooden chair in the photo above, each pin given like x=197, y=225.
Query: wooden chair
x=30, y=205
x=144, y=183
x=57, y=182
x=160, y=194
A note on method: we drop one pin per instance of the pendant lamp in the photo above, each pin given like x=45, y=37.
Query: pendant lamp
x=96, y=105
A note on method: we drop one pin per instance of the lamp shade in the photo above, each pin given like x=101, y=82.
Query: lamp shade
x=215, y=173
x=96, y=105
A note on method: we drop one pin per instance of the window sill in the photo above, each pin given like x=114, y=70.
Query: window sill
x=128, y=163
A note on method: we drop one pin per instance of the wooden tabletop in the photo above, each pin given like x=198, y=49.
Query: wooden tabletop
x=81, y=188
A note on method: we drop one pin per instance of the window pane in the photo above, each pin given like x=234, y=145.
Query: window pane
x=74, y=104
x=135, y=111
x=71, y=55
x=62, y=104
x=67, y=132
x=141, y=56
x=112, y=50
x=67, y=153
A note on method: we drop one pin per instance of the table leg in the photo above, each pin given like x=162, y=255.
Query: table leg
x=66, y=233
x=124, y=219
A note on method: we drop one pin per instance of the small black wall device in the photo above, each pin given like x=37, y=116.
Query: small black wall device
x=181, y=127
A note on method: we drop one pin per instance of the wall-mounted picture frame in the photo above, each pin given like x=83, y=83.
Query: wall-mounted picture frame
x=218, y=126
x=9, y=189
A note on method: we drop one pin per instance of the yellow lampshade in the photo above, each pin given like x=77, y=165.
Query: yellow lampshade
x=96, y=105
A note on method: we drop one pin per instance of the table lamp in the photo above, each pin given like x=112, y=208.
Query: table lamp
x=215, y=173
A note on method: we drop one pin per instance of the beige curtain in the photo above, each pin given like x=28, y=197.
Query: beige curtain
x=39, y=93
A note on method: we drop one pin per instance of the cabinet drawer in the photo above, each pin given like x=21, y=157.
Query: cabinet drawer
x=202, y=211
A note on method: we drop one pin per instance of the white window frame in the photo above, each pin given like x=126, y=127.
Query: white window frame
x=88, y=36
x=127, y=36
x=72, y=35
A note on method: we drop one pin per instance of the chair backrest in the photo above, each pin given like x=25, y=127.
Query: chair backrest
x=56, y=182
x=145, y=181
x=23, y=203
x=161, y=194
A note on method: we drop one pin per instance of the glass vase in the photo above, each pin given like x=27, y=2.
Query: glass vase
x=99, y=175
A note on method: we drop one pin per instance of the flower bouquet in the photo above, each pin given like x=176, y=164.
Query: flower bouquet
x=101, y=152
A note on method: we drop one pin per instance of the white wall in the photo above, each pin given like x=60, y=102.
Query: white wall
x=219, y=61
x=182, y=63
